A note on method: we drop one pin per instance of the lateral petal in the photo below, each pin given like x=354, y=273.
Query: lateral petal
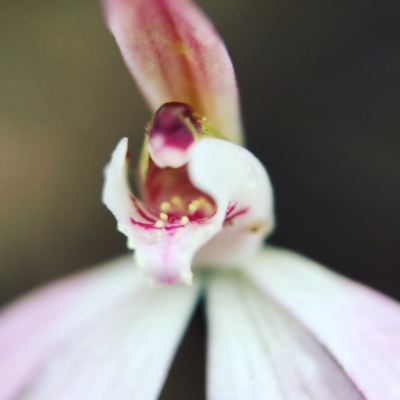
x=242, y=190
x=40, y=332
x=175, y=54
x=257, y=351
x=358, y=325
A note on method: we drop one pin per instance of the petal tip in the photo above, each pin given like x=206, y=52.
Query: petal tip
x=164, y=279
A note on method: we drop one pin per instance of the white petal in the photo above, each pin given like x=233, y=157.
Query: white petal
x=257, y=351
x=231, y=175
x=81, y=338
x=116, y=192
x=358, y=325
x=227, y=172
x=32, y=327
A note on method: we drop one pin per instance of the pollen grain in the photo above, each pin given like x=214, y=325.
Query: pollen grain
x=159, y=224
x=163, y=216
x=165, y=206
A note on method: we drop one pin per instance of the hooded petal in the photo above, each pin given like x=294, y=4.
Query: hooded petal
x=87, y=323
x=235, y=180
x=242, y=190
x=358, y=325
x=175, y=54
x=257, y=351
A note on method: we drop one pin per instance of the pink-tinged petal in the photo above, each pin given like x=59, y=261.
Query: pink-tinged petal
x=257, y=351
x=93, y=336
x=241, y=190
x=358, y=325
x=175, y=54
x=33, y=327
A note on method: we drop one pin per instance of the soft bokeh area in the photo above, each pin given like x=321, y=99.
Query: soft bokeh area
x=65, y=101
x=320, y=84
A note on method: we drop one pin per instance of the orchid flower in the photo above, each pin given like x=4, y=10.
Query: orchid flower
x=280, y=325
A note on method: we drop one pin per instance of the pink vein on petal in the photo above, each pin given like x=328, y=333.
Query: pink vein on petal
x=175, y=54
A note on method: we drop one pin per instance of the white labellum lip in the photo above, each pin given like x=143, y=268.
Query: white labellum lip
x=240, y=188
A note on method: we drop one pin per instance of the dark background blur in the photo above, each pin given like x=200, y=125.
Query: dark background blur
x=320, y=85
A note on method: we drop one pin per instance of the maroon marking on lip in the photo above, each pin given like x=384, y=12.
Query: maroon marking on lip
x=231, y=207
x=141, y=212
x=143, y=225
x=172, y=219
x=199, y=217
x=171, y=228
x=231, y=217
x=152, y=226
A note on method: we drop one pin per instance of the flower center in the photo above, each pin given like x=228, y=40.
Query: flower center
x=165, y=183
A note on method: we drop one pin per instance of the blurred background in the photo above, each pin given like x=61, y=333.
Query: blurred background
x=320, y=86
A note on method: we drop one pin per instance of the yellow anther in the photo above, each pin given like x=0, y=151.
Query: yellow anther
x=159, y=224
x=164, y=216
x=208, y=208
x=177, y=201
x=184, y=220
x=192, y=207
x=165, y=206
